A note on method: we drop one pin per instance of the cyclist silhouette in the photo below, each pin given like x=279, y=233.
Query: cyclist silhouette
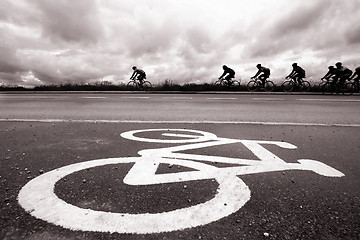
x=229, y=74
x=356, y=76
x=297, y=73
x=342, y=73
x=139, y=74
x=265, y=73
x=330, y=73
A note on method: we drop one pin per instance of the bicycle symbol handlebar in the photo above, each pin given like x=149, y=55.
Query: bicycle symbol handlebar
x=38, y=198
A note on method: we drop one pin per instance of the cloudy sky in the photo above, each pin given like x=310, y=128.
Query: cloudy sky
x=64, y=41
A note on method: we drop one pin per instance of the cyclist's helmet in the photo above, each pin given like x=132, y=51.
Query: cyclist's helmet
x=225, y=67
x=258, y=66
x=331, y=67
x=294, y=64
x=134, y=67
x=338, y=64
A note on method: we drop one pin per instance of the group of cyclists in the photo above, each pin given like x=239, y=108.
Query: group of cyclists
x=339, y=74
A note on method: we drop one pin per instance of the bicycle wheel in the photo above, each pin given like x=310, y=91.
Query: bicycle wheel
x=252, y=86
x=146, y=86
x=305, y=86
x=327, y=89
x=269, y=86
x=132, y=85
x=348, y=89
x=288, y=86
x=321, y=84
x=217, y=82
x=221, y=83
x=235, y=85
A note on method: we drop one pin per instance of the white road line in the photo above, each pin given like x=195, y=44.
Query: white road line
x=32, y=97
x=177, y=98
x=269, y=99
x=221, y=98
x=184, y=122
x=94, y=97
x=328, y=100
x=137, y=97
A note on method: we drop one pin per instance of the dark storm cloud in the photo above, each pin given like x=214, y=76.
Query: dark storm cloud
x=149, y=38
x=70, y=21
x=292, y=29
x=18, y=12
x=9, y=63
x=353, y=34
x=298, y=20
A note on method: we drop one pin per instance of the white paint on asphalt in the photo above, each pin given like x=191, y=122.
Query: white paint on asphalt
x=269, y=99
x=93, y=97
x=184, y=122
x=179, y=98
x=32, y=96
x=328, y=100
x=222, y=98
x=137, y=97
x=39, y=199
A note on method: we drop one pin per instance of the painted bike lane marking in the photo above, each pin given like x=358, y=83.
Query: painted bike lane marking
x=39, y=199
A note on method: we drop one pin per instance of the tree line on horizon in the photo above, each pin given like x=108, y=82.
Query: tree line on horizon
x=166, y=85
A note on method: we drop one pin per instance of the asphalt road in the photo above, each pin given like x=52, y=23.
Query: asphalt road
x=183, y=107
x=165, y=166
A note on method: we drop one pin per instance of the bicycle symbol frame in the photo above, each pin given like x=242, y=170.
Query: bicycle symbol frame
x=37, y=197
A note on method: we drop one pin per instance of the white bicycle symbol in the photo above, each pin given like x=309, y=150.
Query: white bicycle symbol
x=38, y=198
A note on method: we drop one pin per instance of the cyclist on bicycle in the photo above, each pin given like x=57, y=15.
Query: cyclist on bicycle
x=297, y=73
x=229, y=74
x=342, y=73
x=330, y=73
x=356, y=76
x=139, y=74
x=265, y=73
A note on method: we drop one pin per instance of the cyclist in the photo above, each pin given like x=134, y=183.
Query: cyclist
x=342, y=73
x=356, y=76
x=330, y=73
x=265, y=73
x=139, y=74
x=297, y=73
x=229, y=74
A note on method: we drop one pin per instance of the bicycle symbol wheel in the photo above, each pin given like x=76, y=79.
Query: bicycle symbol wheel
x=179, y=134
x=38, y=198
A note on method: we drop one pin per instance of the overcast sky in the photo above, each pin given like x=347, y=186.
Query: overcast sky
x=62, y=41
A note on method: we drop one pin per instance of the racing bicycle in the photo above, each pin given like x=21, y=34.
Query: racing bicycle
x=291, y=85
x=232, y=84
x=323, y=82
x=356, y=84
x=345, y=88
x=136, y=84
x=257, y=85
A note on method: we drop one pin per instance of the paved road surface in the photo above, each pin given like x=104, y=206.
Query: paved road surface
x=186, y=107
x=83, y=166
